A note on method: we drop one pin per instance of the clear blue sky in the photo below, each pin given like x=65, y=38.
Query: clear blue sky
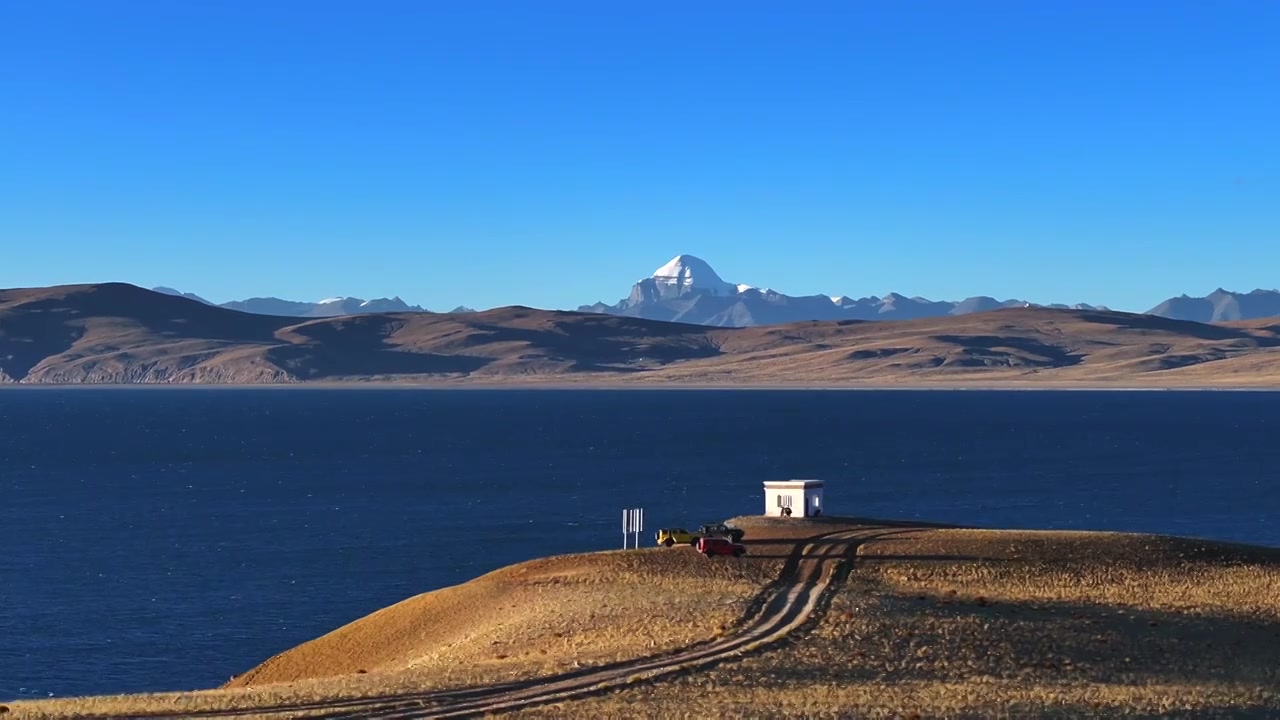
x=552, y=153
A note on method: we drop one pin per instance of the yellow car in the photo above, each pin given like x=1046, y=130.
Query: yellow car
x=672, y=536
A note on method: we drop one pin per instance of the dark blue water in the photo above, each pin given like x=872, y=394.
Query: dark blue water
x=167, y=539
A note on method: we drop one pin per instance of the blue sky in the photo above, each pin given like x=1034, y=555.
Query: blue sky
x=552, y=153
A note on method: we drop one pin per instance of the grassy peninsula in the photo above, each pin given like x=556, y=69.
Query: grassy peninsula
x=840, y=616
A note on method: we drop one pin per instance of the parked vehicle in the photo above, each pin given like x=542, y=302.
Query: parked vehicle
x=673, y=536
x=720, y=546
x=722, y=530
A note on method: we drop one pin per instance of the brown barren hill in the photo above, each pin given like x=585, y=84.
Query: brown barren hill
x=118, y=333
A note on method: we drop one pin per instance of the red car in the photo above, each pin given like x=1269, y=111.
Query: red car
x=720, y=546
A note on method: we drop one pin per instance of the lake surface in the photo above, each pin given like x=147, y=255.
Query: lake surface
x=160, y=539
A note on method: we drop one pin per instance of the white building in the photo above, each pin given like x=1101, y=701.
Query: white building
x=793, y=498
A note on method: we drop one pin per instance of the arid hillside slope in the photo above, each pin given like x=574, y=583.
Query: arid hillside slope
x=118, y=333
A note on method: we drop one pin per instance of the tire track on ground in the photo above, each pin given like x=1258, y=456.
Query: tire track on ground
x=787, y=606
x=790, y=607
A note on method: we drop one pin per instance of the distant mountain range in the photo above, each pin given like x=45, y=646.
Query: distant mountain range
x=1221, y=306
x=688, y=290
x=329, y=307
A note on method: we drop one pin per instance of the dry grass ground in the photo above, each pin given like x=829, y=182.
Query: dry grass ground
x=930, y=622
x=536, y=618
x=964, y=623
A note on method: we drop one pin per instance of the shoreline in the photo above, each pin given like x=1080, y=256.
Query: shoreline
x=587, y=386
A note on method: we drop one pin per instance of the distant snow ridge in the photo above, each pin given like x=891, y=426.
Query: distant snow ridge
x=328, y=307
x=687, y=289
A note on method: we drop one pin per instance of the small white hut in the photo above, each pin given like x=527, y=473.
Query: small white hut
x=793, y=498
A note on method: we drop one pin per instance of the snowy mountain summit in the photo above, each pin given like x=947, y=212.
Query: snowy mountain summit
x=686, y=273
x=687, y=289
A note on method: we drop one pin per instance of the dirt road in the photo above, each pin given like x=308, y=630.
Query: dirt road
x=786, y=606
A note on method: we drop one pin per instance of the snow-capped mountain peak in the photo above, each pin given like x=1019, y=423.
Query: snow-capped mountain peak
x=686, y=273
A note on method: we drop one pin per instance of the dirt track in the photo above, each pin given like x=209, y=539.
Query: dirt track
x=812, y=570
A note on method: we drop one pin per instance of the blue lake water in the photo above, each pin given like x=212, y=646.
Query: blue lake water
x=158, y=539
